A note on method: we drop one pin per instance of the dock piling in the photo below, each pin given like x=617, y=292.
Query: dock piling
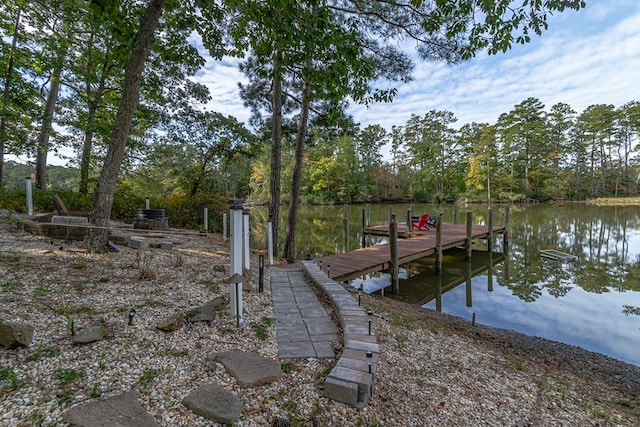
x=439, y=244
x=469, y=233
x=393, y=245
x=490, y=237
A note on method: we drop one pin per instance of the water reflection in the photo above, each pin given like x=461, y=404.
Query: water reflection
x=593, y=303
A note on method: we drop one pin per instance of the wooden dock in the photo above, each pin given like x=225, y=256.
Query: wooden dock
x=349, y=265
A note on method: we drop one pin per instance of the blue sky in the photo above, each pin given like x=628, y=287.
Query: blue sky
x=587, y=57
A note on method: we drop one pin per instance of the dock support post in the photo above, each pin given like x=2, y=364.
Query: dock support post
x=490, y=237
x=393, y=245
x=390, y=213
x=490, y=273
x=469, y=297
x=455, y=214
x=505, y=235
x=409, y=223
x=368, y=216
x=469, y=232
x=439, y=295
x=364, y=225
x=439, y=244
x=206, y=219
x=345, y=230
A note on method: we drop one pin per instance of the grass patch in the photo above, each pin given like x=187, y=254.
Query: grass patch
x=8, y=375
x=148, y=376
x=404, y=321
x=67, y=375
x=10, y=285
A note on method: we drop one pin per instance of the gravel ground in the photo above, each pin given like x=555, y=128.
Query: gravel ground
x=434, y=370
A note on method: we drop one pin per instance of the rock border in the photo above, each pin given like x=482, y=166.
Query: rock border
x=351, y=379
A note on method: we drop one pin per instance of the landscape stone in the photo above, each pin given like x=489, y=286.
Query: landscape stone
x=116, y=411
x=206, y=313
x=173, y=323
x=214, y=403
x=248, y=368
x=89, y=335
x=15, y=334
x=219, y=303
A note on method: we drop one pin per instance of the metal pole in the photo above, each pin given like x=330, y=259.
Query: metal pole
x=245, y=241
x=206, y=219
x=235, y=289
x=224, y=225
x=29, y=196
x=270, y=239
x=147, y=204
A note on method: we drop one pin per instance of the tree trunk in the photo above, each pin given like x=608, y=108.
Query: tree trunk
x=276, y=151
x=290, y=243
x=103, y=198
x=5, y=94
x=42, y=148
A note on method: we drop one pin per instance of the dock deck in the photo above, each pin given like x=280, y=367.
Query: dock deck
x=349, y=265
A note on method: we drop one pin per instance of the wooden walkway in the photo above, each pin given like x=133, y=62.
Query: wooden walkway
x=350, y=265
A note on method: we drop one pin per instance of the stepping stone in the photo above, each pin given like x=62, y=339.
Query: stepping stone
x=116, y=411
x=214, y=403
x=89, y=335
x=248, y=368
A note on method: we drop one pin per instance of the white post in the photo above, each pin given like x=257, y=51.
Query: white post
x=245, y=227
x=29, y=196
x=270, y=239
x=224, y=225
x=206, y=219
x=235, y=289
x=146, y=203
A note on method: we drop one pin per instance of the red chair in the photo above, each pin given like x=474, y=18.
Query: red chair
x=421, y=224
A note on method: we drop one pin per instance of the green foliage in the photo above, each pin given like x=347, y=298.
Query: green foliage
x=148, y=376
x=9, y=379
x=187, y=213
x=67, y=375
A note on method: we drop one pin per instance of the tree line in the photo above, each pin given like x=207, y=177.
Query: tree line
x=113, y=80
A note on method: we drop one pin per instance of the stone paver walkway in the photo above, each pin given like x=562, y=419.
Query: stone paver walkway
x=304, y=328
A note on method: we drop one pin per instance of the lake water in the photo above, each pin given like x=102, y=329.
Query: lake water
x=593, y=302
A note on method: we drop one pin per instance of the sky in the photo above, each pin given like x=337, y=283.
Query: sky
x=587, y=57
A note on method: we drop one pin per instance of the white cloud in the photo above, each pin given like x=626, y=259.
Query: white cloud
x=588, y=57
